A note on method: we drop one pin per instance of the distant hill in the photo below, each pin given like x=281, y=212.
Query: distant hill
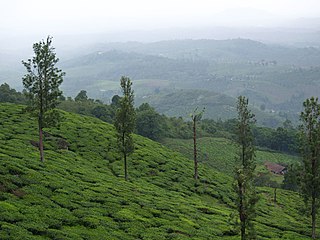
x=221, y=50
x=277, y=78
x=79, y=191
x=217, y=106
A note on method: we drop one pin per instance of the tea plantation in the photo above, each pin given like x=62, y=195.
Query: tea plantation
x=79, y=191
x=219, y=153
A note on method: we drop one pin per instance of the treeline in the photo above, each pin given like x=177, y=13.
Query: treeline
x=155, y=126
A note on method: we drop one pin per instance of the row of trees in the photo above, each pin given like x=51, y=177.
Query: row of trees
x=42, y=83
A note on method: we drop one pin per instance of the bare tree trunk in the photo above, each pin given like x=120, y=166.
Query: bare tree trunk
x=242, y=213
x=313, y=216
x=275, y=195
x=124, y=157
x=313, y=196
x=125, y=167
x=41, y=141
x=195, y=151
x=243, y=230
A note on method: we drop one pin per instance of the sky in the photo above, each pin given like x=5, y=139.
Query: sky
x=95, y=16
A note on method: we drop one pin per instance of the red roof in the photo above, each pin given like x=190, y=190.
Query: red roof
x=275, y=168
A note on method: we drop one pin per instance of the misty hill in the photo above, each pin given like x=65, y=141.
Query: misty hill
x=221, y=50
x=277, y=78
x=79, y=191
x=217, y=106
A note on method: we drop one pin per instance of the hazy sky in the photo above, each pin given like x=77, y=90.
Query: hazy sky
x=83, y=16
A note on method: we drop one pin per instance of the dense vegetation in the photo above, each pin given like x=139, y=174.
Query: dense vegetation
x=79, y=192
x=155, y=126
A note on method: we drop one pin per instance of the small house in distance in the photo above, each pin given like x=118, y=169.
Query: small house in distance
x=276, y=168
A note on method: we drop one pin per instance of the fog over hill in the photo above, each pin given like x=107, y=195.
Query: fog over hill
x=266, y=50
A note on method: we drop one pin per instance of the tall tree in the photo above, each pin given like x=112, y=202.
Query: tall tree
x=310, y=149
x=244, y=172
x=125, y=121
x=196, y=117
x=42, y=83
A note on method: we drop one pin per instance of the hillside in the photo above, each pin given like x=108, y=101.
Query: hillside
x=219, y=153
x=79, y=191
x=217, y=106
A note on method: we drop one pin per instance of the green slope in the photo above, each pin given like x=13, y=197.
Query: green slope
x=79, y=192
x=220, y=153
x=217, y=106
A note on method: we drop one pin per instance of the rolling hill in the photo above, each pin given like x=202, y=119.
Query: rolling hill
x=278, y=78
x=275, y=78
x=217, y=105
x=79, y=191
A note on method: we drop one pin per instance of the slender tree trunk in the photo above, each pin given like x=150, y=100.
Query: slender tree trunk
x=313, y=196
x=124, y=157
x=242, y=212
x=243, y=230
x=313, y=214
x=125, y=167
x=195, y=151
x=40, y=121
x=275, y=195
x=41, y=141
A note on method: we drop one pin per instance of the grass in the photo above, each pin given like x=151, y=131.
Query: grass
x=80, y=193
x=220, y=153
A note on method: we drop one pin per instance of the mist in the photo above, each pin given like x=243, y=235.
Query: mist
x=74, y=23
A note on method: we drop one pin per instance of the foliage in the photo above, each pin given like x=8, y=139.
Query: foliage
x=244, y=171
x=310, y=149
x=149, y=123
x=8, y=94
x=283, y=139
x=43, y=79
x=292, y=177
x=125, y=121
x=42, y=83
x=82, y=96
